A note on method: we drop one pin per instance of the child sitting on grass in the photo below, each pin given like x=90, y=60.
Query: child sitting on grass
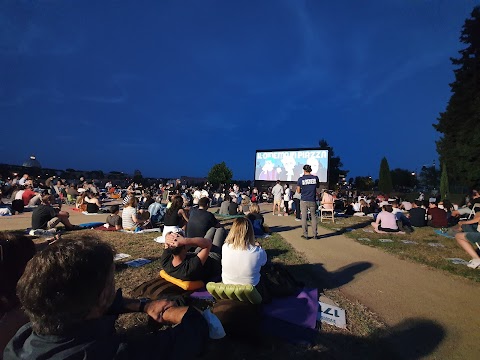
x=114, y=220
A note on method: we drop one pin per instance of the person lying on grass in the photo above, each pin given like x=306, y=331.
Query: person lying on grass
x=386, y=221
x=469, y=238
x=177, y=261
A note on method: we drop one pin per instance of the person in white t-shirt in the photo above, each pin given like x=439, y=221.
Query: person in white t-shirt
x=197, y=194
x=406, y=205
x=242, y=256
x=277, y=192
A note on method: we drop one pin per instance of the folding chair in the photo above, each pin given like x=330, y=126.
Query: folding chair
x=327, y=214
x=473, y=211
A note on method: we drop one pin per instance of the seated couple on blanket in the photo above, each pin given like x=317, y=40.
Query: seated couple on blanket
x=237, y=260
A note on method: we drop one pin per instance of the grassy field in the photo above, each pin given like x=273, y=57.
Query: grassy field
x=359, y=228
x=365, y=333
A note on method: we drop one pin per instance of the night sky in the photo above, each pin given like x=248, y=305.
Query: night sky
x=173, y=87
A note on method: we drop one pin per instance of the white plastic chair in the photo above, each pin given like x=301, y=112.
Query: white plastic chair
x=327, y=214
x=473, y=211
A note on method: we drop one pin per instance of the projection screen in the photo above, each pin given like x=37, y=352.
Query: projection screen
x=287, y=165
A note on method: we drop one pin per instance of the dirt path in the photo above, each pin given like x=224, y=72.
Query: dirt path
x=24, y=221
x=396, y=289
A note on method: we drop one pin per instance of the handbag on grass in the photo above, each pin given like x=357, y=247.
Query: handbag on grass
x=278, y=280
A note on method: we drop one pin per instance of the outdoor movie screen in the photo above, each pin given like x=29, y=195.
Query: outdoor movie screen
x=287, y=165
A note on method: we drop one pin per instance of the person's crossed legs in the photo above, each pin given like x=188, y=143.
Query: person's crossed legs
x=465, y=240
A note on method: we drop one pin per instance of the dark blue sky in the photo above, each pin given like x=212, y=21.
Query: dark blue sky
x=173, y=87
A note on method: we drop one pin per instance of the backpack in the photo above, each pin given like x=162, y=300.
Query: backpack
x=278, y=280
x=257, y=227
x=18, y=205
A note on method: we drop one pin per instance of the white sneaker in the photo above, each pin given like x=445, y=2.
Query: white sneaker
x=298, y=219
x=474, y=263
x=280, y=215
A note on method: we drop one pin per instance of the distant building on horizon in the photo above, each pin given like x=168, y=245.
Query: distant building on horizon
x=190, y=180
x=32, y=162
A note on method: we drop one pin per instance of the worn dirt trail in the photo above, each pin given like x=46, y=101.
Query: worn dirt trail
x=396, y=290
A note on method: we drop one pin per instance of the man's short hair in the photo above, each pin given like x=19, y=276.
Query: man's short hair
x=63, y=283
x=307, y=168
x=418, y=203
x=47, y=199
x=114, y=209
x=203, y=202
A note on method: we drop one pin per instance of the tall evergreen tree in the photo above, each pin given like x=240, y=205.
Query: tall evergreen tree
x=459, y=146
x=334, y=165
x=385, y=177
x=444, y=188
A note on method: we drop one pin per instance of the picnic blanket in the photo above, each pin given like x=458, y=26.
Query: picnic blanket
x=227, y=217
x=141, y=231
x=87, y=213
x=103, y=228
x=91, y=224
x=41, y=232
x=292, y=318
x=447, y=234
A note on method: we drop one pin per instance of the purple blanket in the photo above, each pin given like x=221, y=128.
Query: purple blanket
x=292, y=318
x=299, y=310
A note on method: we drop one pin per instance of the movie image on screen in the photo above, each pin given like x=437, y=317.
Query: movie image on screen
x=288, y=165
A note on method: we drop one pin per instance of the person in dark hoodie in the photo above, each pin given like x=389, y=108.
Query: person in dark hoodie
x=68, y=293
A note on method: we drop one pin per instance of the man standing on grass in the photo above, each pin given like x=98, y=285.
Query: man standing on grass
x=307, y=185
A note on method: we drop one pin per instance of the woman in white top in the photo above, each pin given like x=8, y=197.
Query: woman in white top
x=242, y=257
